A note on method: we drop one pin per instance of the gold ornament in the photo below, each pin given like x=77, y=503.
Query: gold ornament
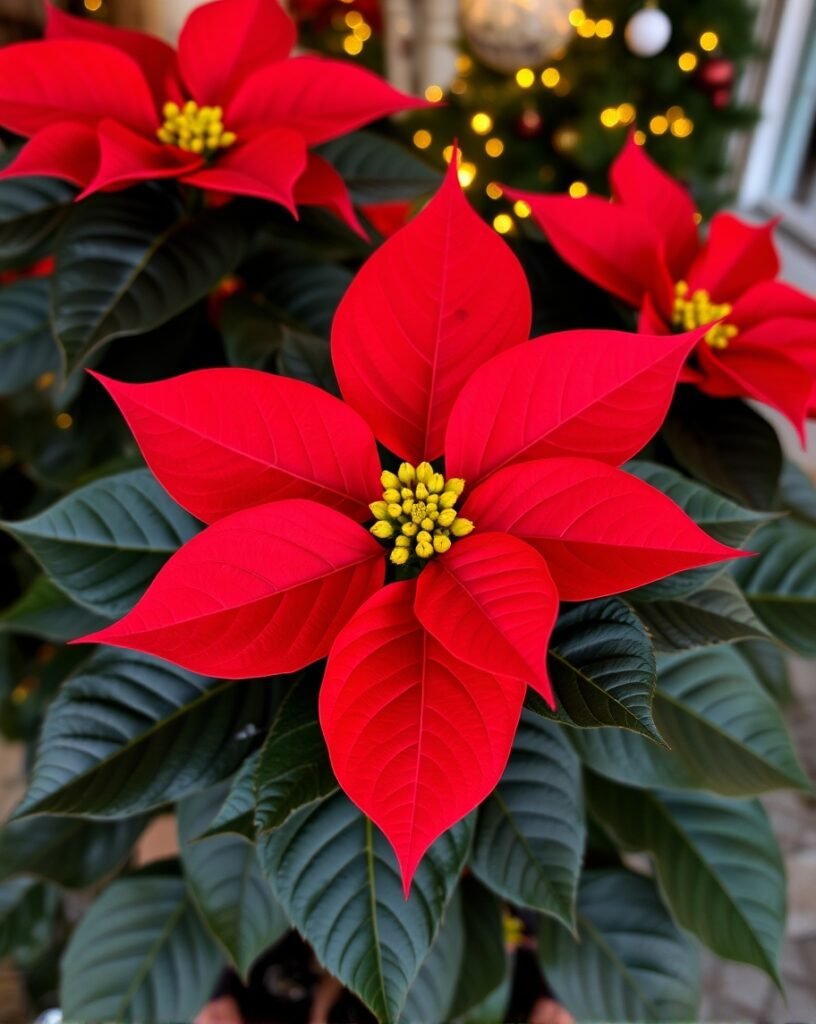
x=509, y=35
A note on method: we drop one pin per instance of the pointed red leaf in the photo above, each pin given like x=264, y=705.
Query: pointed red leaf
x=66, y=150
x=492, y=603
x=617, y=248
x=640, y=184
x=263, y=592
x=223, y=440
x=55, y=80
x=602, y=394
x=320, y=98
x=416, y=737
x=601, y=531
x=321, y=185
x=431, y=305
x=736, y=256
x=223, y=42
x=770, y=300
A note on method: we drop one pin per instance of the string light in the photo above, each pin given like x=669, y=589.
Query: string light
x=687, y=61
x=550, y=77
x=353, y=18
x=604, y=28
x=466, y=174
x=447, y=153
x=626, y=113
x=521, y=209
x=422, y=139
x=503, y=223
x=464, y=65
x=494, y=190
x=525, y=77
x=64, y=421
x=494, y=147
x=682, y=127
x=352, y=45
x=481, y=123
x=659, y=125
x=709, y=41
x=640, y=138
x=46, y=380
x=609, y=117
x=434, y=93
x=363, y=32
x=92, y=5
x=587, y=28
x=458, y=87
x=576, y=17
x=578, y=189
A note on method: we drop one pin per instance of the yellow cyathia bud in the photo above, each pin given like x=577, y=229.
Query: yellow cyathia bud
x=433, y=514
x=424, y=549
x=432, y=499
x=407, y=474
x=436, y=484
x=441, y=543
x=424, y=472
x=427, y=524
x=392, y=495
x=379, y=509
x=423, y=537
x=389, y=479
x=455, y=484
x=228, y=138
x=407, y=505
x=461, y=527
x=171, y=109
x=399, y=556
x=448, y=499
x=402, y=542
x=395, y=511
x=410, y=529
x=406, y=492
x=446, y=517
x=421, y=491
x=382, y=530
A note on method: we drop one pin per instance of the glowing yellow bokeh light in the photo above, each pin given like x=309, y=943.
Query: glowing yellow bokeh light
x=494, y=147
x=640, y=138
x=458, y=87
x=353, y=18
x=64, y=421
x=682, y=127
x=352, y=45
x=674, y=112
x=363, y=32
x=626, y=113
x=466, y=173
x=481, y=123
x=422, y=139
x=587, y=28
x=434, y=93
x=609, y=117
x=576, y=16
x=447, y=153
x=494, y=190
x=687, y=61
x=709, y=41
x=578, y=189
x=525, y=77
x=92, y=5
x=521, y=209
x=550, y=77
x=659, y=125
x=604, y=28
x=464, y=65
x=503, y=223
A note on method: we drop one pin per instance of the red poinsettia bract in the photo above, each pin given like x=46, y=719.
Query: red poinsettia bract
x=644, y=247
x=426, y=676
x=230, y=111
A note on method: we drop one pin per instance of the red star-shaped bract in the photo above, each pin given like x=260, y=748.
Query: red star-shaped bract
x=425, y=677
x=646, y=241
x=91, y=99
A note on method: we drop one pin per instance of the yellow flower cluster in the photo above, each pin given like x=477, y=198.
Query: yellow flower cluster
x=698, y=310
x=195, y=129
x=418, y=512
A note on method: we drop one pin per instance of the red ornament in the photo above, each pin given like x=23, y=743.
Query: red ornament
x=529, y=124
x=716, y=78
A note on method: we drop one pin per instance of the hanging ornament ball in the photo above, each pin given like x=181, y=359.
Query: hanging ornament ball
x=648, y=32
x=507, y=35
x=717, y=73
x=529, y=124
x=720, y=98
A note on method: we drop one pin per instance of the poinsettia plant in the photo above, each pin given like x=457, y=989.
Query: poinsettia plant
x=416, y=626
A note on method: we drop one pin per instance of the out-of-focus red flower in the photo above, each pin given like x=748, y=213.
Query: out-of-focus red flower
x=645, y=248
x=42, y=268
x=230, y=111
x=387, y=217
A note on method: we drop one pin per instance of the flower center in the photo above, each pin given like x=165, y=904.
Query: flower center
x=195, y=129
x=697, y=310
x=417, y=512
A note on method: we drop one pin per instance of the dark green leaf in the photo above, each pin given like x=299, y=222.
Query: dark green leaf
x=31, y=210
x=780, y=583
x=308, y=293
x=307, y=358
x=431, y=995
x=724, y=733
x=130, y=261
x=140, y=954
x=236, y=815
x=71, y=852
x=602, y=668
x=338, y=881
x=377, y=170
x=724, y=520
x=293, y=768
x=27, y=911
x=530, y=832
x=485, y=961
x=46, y=612
x=727, y=445
x=770, y=666
x=129, y=733
x=797, y=493
x=225, y=880
x=630, y=961
x=716, y=613
x=105, y=542
x=27, y=347
x=717, y=862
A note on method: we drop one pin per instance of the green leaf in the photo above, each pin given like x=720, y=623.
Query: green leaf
x=797, y=493
x=770, y=666
x=339, y=883
x=530, y=833
x=71, y=852
x=140, y=954
x=716, y=613
x=724, y=520
x=717, y=862
x=725, y=444
x=485, y=962
x=377, y=170
x=104, y=543
x=27, y=910
x=780, y=583
x=630, y=961
x=236, y=816
x=431, y=995
x=44, y=611
x=27, y=347
x=602, y=668
x=293, y=768
x=31, y=210
x=308, y=293
x=724, y=733
x=307, y=358
x=128, y=733
x=227, y=885
x=130, y=261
